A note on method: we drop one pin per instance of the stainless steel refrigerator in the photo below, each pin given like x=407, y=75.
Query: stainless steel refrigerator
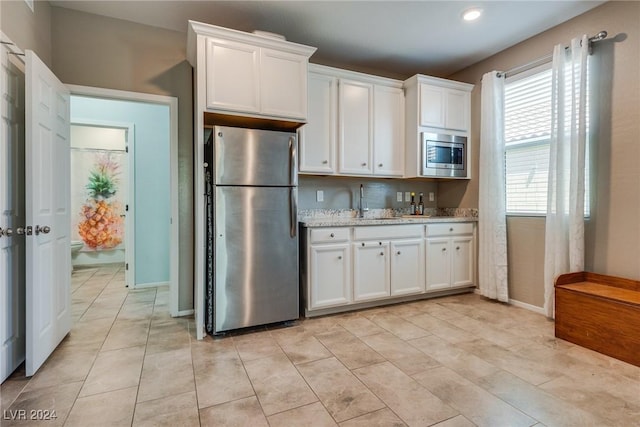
x=253, y=252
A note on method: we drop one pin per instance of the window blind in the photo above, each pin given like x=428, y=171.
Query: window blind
x=527, y=121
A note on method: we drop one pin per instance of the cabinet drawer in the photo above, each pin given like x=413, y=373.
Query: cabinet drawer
x=449, y=229
x=327, y=235
x=387, y=232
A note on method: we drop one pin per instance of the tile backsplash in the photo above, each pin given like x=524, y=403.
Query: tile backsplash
x=344, y=192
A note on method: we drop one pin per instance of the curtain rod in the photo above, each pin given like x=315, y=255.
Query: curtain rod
x=543, y=60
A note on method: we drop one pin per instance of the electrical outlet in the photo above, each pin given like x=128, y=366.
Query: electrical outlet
x=319, y=196
x=432, y=196
x=399, y=196
x=407, y=196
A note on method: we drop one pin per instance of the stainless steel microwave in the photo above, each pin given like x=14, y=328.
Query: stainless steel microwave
x=444, y=155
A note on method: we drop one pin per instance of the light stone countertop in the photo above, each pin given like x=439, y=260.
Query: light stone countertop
x=317, y=222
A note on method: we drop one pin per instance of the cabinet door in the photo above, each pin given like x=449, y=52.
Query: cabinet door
x=388, y=141
x=355, y=106
x=283, y=84
x=438, y=263
x=318, y=136
x=407, y=267
x=330, y=274
x=371, y=277
x=457, y=109
x=233, y=76
x=432, y=101
x=462, y=261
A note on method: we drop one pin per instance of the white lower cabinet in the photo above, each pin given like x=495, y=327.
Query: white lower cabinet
x=371, y=271
x=407, y=267
x=366, y=265
x=330, y=271
x=449, y=258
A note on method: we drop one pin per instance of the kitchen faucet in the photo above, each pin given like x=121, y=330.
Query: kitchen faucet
x=361, y=205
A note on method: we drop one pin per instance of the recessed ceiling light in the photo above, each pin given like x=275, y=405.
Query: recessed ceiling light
x=471, y=14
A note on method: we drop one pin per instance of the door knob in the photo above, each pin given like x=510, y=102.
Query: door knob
x=8, y=232
x=44, y=230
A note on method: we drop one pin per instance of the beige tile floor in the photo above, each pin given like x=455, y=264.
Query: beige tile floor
x=454, y=361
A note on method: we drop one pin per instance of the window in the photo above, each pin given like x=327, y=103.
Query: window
x=527, y=133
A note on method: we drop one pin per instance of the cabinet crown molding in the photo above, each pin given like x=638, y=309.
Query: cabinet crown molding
x=353, y=75
x=201, y=29
x=437, y=81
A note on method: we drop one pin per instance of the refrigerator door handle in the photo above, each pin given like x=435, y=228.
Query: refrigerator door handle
x=293, y=213
x=293, y=166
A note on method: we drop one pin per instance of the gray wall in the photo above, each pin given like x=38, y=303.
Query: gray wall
x=27, y=29
x=612, y=234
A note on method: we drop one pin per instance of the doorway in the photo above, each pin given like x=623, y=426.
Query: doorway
x=152, y=224
x=102, y=159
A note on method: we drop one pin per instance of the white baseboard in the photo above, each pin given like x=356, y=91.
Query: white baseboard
x=149, y=285
x=534, y=308
x=184, y=313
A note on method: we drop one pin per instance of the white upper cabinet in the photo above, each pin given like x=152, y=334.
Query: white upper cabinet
x=444, y=108
x=355, y=135
x=233, y=76
x=388, y=133
x=283, y=83
x=318, y=137
x=249, y=74
x=355, y=124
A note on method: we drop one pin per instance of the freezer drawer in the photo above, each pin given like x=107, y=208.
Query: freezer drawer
x=256, y=256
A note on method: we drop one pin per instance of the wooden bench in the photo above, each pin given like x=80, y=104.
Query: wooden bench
x=601, y=313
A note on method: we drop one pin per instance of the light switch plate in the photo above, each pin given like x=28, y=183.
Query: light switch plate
x=407, y=196
x=319, y=196
x=432, y=196
x=399, y=196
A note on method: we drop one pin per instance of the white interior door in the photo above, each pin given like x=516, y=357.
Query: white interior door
x=12, y=321
x=47, y=187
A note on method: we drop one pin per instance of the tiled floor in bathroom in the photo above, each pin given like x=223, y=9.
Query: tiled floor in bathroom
x=454, y=361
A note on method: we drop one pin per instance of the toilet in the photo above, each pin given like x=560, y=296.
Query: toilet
x=76, y=245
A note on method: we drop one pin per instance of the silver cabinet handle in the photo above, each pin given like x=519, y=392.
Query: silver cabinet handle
x=20, y=230
x=398, y=253
x=380, y=243
x=324, y=162
x=44, y=230
x=7, y=232
x=362, y=243
x=382, y=253
x=364, y=164
x=379, y=165
x=457, y=248
x=340, y=257
x=451, y=229
x=444, y=249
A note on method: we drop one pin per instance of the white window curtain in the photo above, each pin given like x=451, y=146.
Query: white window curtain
x=564, y=235
x=492, y=228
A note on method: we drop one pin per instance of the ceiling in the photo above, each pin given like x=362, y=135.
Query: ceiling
x=393, y=38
